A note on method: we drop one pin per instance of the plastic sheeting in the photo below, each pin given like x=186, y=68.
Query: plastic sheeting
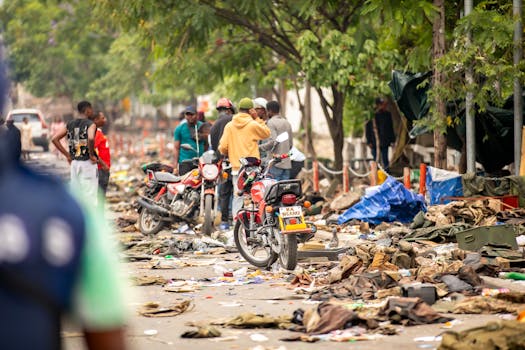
x=388, y=202
x=442, y=183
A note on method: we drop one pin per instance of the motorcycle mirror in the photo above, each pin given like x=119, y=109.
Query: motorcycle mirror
x=187, y=147
x=282, y=137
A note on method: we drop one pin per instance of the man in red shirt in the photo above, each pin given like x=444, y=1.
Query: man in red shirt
x=102, y=149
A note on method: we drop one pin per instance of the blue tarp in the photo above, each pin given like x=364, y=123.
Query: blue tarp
x=389, y=202
x=442, y=183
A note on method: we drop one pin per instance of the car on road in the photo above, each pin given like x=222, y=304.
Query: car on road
x=38, y=124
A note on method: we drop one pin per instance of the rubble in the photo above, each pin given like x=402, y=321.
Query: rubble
x=399, y=263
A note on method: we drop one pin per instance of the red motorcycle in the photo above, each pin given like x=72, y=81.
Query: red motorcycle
x=210, y=168
x=270, y=227
x=168, y=198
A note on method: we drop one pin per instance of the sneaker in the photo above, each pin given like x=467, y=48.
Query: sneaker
x=224, y=226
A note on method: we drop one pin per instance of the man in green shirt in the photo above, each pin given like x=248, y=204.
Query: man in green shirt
x=187, y=133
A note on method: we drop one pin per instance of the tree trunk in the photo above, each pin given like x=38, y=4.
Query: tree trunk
x=307, y=122
x=334, y=117
x=440, y=142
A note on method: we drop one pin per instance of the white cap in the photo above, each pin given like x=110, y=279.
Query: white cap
x=260, y=102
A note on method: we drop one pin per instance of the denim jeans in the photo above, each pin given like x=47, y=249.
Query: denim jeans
x=279, y=174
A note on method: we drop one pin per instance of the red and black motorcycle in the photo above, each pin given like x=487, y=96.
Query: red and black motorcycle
x=270, y=227
x=168, y=198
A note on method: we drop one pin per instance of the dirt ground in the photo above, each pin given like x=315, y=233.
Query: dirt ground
x=227, y=301
x=252, y=298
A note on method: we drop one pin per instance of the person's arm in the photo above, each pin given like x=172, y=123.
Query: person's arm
x=176, y=153
x=91, y=143
x=100, y=300
x=56, y=141
x=261, y=129
x=223, y=142
x=268, y=145
x=112, y=339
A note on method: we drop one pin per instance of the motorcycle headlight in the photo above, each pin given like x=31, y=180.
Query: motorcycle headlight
x=210, y=171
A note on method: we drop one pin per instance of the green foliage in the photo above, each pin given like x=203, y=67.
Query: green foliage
x=489, y=54
x=55, y=48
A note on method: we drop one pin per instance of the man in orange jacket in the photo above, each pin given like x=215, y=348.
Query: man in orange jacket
x=240, y=139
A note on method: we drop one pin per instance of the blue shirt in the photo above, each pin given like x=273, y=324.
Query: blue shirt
x=43, y=232
x=186, y=134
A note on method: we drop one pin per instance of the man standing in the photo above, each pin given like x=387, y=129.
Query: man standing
x=381, y=126
x=187, y=133
x=259, y=104
x=278, y=125
x=239, y=140
x=225, y=109
x=12, y=135
x=81, y=138
x=104, y=155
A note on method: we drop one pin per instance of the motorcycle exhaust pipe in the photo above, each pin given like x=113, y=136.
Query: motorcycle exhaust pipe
x=153, y=208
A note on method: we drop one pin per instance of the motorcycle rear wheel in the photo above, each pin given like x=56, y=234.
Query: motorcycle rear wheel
x=149, y=223
x=288, y=255
x=207, y=226
x=250, y=251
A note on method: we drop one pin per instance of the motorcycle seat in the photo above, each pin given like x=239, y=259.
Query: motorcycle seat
x=166, y=177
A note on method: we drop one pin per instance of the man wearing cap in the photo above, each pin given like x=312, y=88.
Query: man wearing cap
x=187, y=133
x=225, y=109
x=259, y=104
x=278, y=125
x=240, y=139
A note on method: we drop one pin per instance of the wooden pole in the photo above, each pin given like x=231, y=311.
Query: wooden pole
x=373, y=173
x=422, y=178
x=346, y=178
x=406, y=178
x=315, y=166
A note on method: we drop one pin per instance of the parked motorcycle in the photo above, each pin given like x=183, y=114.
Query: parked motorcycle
x=168, y=198
x=270, y=227
x=210, y=167
x=171, y=198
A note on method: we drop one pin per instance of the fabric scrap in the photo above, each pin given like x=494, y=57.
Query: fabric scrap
x=153, y=309
x=493, y=336
x=202, y=332
x=486, y=305
x=410, y=312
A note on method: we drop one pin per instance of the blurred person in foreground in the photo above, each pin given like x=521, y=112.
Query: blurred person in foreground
x=54, y=260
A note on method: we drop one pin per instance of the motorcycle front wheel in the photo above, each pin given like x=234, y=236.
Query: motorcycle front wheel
x=288, y=255
x=149, y=223
x=207, y=226
x=252, y=249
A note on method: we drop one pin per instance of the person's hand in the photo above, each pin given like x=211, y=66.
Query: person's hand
x=69, y=159
x=94, y=159
x=253, y=113
x=104, y=166
x=176, y=169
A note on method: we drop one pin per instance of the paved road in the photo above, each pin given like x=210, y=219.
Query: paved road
x=209, y=304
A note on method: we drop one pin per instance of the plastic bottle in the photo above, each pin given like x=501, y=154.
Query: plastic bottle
x=512, y=276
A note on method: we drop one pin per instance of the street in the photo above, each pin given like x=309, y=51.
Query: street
x=198, y=277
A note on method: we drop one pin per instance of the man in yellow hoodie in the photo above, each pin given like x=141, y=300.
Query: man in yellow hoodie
x=239, y=140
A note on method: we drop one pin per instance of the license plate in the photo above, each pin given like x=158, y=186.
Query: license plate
x=291, y=212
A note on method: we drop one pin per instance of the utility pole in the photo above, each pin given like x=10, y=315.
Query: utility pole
x=469, y=112
x=518, y=103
